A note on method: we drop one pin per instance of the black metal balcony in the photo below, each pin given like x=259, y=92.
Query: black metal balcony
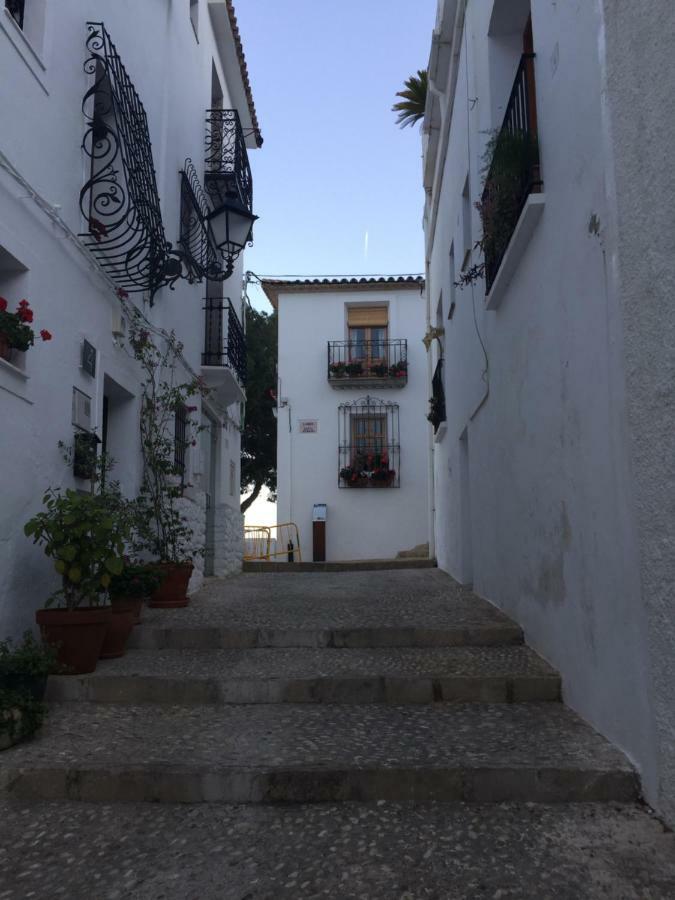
x=437, y=402
x=16, y=10
x=220, y=348
x=357, y=364
x=514, y=171
x=119, y=199
x=227, y=170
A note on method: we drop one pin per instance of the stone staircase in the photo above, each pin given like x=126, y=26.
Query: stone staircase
x=380, y=685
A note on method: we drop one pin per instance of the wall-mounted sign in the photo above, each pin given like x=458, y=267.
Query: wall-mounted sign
x=89, y=358
x=308, y=426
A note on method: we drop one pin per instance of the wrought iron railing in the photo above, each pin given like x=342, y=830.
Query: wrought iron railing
x=227, y=169
x=120, y=200
x=385, y=361
x=201, y=257
x=437, y=401
x=514, y=171
x=220, y=349
x=16, y=10
x=369, y=444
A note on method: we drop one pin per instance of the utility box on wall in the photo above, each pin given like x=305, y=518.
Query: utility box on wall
x=319, y=532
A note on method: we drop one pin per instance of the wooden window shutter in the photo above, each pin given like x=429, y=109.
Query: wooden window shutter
x=367, y=316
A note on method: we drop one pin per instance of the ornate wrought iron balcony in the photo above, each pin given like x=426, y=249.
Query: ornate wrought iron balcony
x=514, y=170
x=437, y=402
x=119, y=200
x=227, y=169
x=359, y=364
x=16, y=10
x=224, y=347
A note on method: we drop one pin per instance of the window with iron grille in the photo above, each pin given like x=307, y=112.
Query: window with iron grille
x=16, y=10
x=369, y=444
x=180, y=440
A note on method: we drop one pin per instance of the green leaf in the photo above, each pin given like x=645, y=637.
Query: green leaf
x=68, y=552
x=114, y=565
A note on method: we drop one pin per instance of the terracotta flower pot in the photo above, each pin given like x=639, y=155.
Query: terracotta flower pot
x=120, y=627
x=77, y=633
x=172, y=592
x=137, y=603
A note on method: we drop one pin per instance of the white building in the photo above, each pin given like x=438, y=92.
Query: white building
x=103, y=104
x=352, y=394
x=554, y=470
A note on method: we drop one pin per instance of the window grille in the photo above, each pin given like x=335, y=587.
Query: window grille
x=180, y=440
x=369, y=444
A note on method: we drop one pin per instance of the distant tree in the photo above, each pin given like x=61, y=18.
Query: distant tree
x=259, y=438
x=411, y=108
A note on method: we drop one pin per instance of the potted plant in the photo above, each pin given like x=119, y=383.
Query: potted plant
x=86, y=543
x=136, y=583
x=354, y=369
x=161, y=528
x=15, y=329
x=399, y=369
x=379, y=369
x=25, y=666
x=337, y=369
x=21, y=715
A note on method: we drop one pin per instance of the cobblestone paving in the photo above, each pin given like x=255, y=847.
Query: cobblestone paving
x=416, y=598
x=541, y=735
x=370, y=852
x=299, y=662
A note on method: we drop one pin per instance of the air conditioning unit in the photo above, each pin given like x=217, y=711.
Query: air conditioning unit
x=81, y=410
x=119, y=324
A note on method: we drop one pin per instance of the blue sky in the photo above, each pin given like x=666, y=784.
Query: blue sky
x=334, y=165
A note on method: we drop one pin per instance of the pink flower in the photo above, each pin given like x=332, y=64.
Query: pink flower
x=45, y=335
x=191, y=408
x=122, y=294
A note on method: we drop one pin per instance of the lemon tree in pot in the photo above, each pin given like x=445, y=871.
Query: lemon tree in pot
x=86, y=542
x=162, y=530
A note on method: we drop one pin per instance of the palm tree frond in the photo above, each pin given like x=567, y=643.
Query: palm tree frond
x=411, y=108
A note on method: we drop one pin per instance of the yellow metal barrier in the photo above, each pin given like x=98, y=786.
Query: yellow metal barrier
x=266, y=542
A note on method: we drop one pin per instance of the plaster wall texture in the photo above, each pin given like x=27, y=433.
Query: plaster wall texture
x=69, y=296
x=361, y=523
x=534, y=489
x=640, y=116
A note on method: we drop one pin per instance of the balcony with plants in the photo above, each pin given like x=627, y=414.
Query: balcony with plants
x=368, y=364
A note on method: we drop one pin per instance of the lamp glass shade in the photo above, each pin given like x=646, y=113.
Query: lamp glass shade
x=231, y=227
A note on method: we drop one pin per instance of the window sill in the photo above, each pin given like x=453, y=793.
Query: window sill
x=23, y=47
x=440, y=434
x=530, y=216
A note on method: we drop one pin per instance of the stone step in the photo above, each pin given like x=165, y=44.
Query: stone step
x=464, y=674
x=195, y=637
x=387, y=851
x=537, y=752
x=356, y=565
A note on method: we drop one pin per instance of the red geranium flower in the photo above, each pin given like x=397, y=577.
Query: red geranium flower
x=25, y=314
x=23, y=304
x=3, y=304
x=45, y=335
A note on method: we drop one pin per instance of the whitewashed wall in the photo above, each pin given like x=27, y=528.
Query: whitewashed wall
x=366, y=523
x=534, y=479
x=42, y=84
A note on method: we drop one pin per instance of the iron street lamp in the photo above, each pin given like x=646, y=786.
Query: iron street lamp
x=231, y=227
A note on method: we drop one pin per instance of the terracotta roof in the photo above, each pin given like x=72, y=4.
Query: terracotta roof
x=275, y=286
x=244, y=70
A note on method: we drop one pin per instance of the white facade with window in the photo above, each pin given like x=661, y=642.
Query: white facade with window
x=553, y=470
x=181, y=59
x=351, y=414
